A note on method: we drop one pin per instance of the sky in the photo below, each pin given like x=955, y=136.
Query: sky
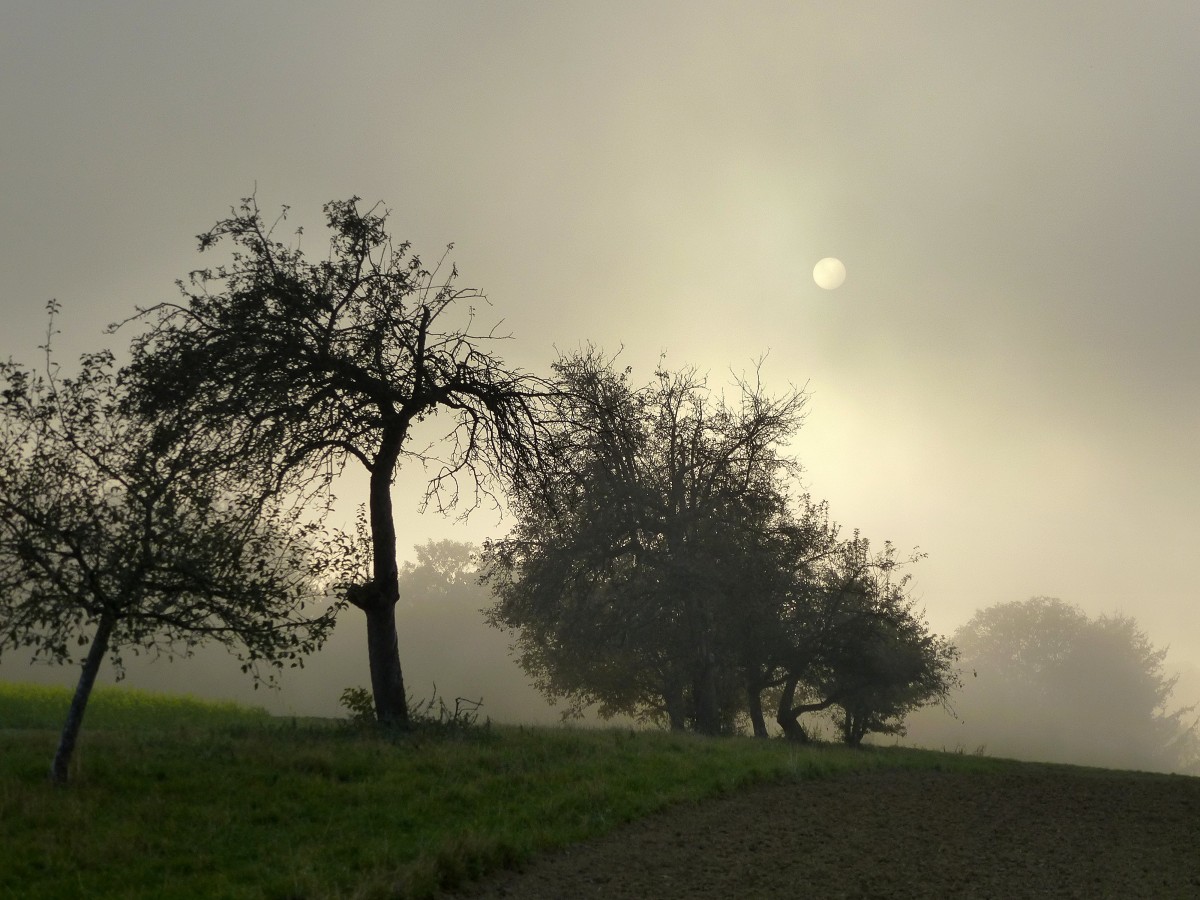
x=1006, y=379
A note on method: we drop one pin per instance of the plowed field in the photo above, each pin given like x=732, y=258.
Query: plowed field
x=1047, y=832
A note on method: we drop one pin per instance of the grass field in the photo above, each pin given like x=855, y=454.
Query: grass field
x=177, y=797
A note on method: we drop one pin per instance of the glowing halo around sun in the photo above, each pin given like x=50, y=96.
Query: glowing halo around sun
x=829, y=273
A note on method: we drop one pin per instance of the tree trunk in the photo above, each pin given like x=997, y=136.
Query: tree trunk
x=387, y=678
x=854, y=728
x=789, y=719
x=379, y=603
x=83, y=691
x=754, y=701
x=704, y=672
x=676, y=711
x=788, y=715
x=708, y=713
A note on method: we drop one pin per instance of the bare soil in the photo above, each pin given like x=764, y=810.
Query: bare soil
x=1043, y=833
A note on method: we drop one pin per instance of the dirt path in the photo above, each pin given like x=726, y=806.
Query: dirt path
x=1052, y=833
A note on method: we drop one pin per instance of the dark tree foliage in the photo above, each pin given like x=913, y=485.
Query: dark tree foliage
x=113, y=540
x=769, y=567
x=891, y=664
x=662, y=569
x=301, y=365
x=859, y=645
x=619, y=574
x=1052, y=683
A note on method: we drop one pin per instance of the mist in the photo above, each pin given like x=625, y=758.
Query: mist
x=1041, y=680
x=982, y=726
x=449, y=651
x=446, y=647
x=1006, y=378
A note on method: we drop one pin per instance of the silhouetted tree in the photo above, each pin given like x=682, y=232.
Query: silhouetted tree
x=114, y=540
x=1049, y=682
x=770, y=579
x=621, y=575
x=661, y=568
x=303, y=365
x=888, y=668
x=856, y=643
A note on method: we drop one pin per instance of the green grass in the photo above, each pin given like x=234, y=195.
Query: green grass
x=42, y=706
x=176, y=797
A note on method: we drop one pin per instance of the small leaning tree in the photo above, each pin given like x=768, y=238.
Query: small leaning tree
x=302, y=365
x=113, y=539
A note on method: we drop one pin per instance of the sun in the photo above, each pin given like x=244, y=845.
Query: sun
x=829, y=273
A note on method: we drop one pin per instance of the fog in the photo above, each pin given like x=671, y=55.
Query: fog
x=449, y=651
x=1018, y=732
x=444, y=644
x=1006, y=378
